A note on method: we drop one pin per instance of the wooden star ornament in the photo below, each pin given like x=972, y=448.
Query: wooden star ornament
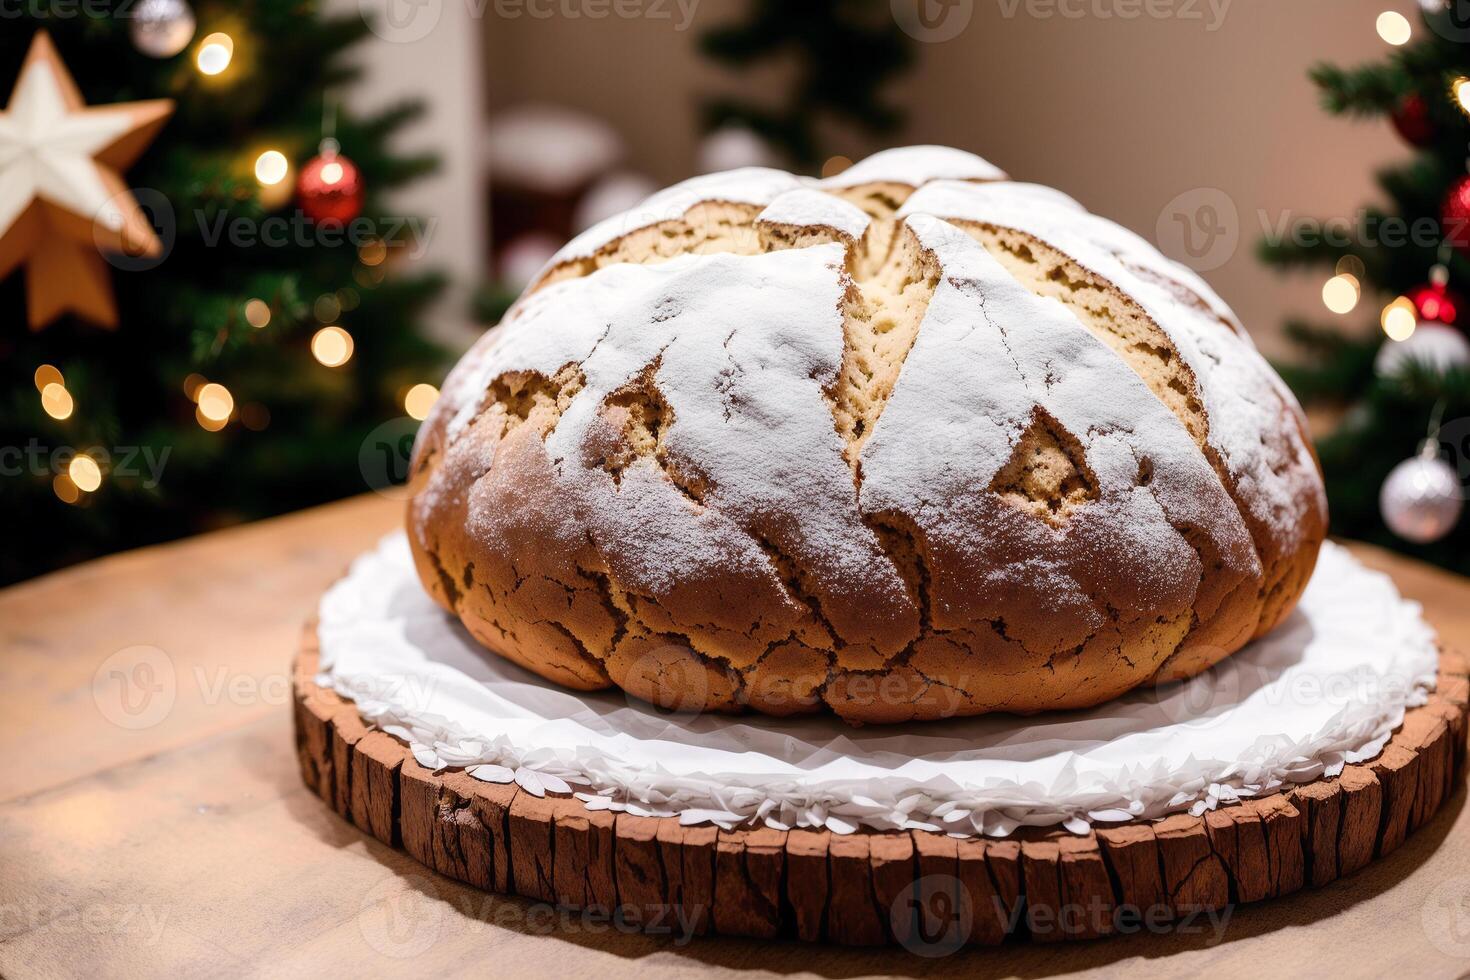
x=63, y=202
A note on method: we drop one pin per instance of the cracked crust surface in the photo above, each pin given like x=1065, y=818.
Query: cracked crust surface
x=922, y=444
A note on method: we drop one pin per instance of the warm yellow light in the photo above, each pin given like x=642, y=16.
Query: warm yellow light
x=209, y=424
x=56, y=401
x=1340, y=293
x=271, y=167
x=65, y=490
x=85, y=473
x=332, y=173
x=47, y=375
x=332, y=346
x=257, y=313
x=419, y=399
x=1462, y=93
x=192, y=384
x=1393, y=27
x=1399, y=319
x=214, y=53
x=215, y=402
x=373, y=252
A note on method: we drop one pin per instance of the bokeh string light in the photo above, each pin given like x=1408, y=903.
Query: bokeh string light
x=215, y=53
x=1460, y=89
x=48, y=374
x=271, y=167
x=1399, y=318
x=257, y=313
x=1340, y=293
x=65, y=490
x=419, y=399
x=332, y=346
x=214, y=406
x=56, y=401
x=1393, y=27
x=85, y=473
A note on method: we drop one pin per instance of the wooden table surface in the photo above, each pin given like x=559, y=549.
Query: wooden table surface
x=152, y=817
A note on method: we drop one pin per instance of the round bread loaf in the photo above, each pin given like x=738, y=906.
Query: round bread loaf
x=911, y=442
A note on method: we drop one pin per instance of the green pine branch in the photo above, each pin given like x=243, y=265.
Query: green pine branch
x=186, y=315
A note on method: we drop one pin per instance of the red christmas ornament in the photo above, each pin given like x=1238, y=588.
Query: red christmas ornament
x=1454, y=215
x=1435, y=303
x=1411, y=119
x=330, y=186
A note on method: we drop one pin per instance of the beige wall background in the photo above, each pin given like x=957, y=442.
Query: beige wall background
x=1124, y=114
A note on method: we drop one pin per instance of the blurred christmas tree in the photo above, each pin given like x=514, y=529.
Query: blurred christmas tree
x=845, y=53
x=263, y=341
x=1401, y=388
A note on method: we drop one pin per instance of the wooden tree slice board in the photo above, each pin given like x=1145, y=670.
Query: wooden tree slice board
x=871, y=888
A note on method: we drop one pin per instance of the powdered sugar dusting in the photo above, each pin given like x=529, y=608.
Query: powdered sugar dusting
x=1127, y=247
x=700, y=459
x=742, y=348
x=813, y=209
x=915, y=165
x=757, y=186
x=991, y=354
x=1251, y=415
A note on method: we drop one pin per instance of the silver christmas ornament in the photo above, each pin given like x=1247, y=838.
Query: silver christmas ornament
x=1421, y=499
x=1437, y=347
x=162, y=28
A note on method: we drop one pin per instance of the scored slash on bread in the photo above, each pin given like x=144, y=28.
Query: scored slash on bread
x=912, y=442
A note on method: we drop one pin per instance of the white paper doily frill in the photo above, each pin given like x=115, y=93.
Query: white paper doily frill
x=1326, y=688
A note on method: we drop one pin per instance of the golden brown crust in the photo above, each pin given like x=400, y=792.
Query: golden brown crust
x=500, y=540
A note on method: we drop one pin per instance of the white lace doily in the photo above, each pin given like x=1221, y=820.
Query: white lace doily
x=1326, y=688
